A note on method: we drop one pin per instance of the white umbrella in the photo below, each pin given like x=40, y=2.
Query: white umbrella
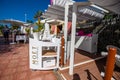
x=12, y=22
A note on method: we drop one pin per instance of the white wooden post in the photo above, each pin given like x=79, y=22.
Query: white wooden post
x=74, y=18
x=66, y=28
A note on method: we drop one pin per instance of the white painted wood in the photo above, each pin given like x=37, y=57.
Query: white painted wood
x=82, y=63
x=46, y=34
x=35, y=35
x=61, y=2
x=36, y=57
x=78, y=43
x=74, y=18
x=68, y=49
x=33, y=54
x=58, y=55
x=65, y=31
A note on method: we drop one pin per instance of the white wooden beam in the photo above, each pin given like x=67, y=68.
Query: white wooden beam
x=79, y=42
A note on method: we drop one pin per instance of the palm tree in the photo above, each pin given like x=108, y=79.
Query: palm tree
x=40, y=25
x=29, y=21
x=38, y=15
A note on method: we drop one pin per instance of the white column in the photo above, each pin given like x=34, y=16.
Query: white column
x=74, y=18
x=21, y=29
x=65, y=30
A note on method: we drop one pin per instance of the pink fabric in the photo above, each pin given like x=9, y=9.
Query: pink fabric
x=53, y=28
x=89, y=35
x=69, y=27
x=81, y=33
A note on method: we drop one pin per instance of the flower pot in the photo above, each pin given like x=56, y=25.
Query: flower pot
x=35, y=35
x=40, y=36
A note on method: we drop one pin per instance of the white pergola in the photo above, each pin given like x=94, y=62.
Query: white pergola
x=72, y=11
x=87, y=10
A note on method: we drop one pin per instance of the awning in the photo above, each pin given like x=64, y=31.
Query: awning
x=88, y=12
x=52, y=21
x=13, y=22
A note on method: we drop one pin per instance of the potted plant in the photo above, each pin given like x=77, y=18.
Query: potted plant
x=37, y=32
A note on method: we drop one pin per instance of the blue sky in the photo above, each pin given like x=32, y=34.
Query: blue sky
x=16, y=9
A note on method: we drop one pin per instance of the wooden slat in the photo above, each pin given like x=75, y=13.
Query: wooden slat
x=48, y=53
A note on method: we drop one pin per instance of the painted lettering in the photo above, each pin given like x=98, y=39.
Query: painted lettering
x=34, y=55
x=34, y=47
x=34, y=62
x=34, y=52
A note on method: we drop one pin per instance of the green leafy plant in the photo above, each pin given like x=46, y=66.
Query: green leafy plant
x=108, y=16
x=27, y=30
x=1, y=27
x=14, y=27
x=39, y=27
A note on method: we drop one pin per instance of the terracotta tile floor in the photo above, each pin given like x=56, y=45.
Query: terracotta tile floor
x=88, y=71
x=14, y=64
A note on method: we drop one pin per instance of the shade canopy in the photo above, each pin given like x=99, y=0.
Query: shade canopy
x=13, y=22
x=52, y=21
x=112, y=5
x=88, y=12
